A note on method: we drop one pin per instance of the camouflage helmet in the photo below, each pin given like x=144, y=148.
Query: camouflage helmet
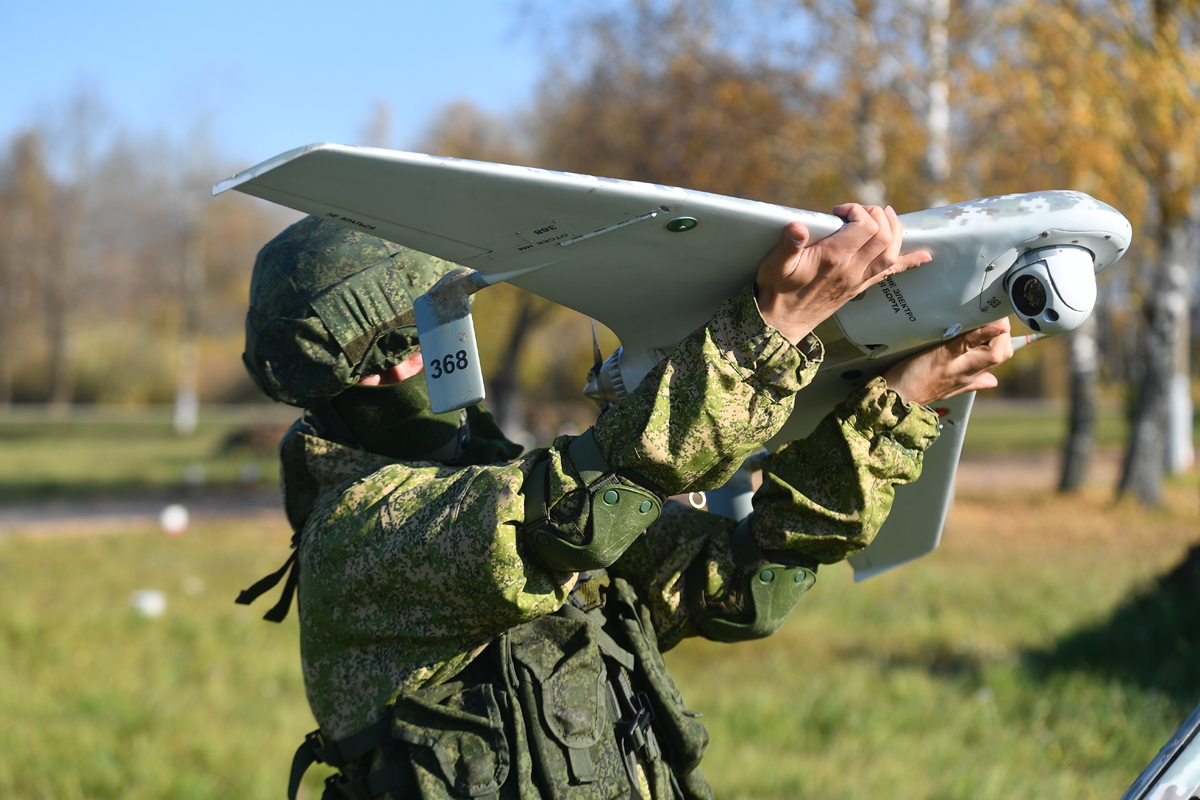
x=329, y=305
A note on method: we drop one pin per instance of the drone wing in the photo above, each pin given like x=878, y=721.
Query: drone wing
x=606, y=248
x=653, y=262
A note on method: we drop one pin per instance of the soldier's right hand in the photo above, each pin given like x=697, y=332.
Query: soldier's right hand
x=962, y=364
x=799, y=286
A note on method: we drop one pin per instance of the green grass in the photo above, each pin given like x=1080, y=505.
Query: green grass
x=99, y=702
x=999, y=667
x=954, y=677
x=1002, y=428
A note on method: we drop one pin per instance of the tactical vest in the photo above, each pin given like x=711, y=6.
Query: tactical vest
x=577, y=704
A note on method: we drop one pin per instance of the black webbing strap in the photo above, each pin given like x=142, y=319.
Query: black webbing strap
x=306, y=755
x=534, y=490
x=639, y=731
x=340, y=752
x=280, y=609
x=747, y=552
x=385, y=779
x=589, y=461
x=634, y=729
x=596, y=471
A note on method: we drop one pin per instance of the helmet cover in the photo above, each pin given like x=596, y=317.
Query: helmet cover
x=329, y=305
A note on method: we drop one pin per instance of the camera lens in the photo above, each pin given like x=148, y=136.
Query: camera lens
x=1029, y=295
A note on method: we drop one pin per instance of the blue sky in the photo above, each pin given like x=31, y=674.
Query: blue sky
x=264, y=77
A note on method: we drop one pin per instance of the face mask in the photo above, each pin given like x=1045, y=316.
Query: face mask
x=395, y=420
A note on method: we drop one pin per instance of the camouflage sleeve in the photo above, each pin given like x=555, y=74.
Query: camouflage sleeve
x=822, y=499
x=724, y=391
x=690, y=423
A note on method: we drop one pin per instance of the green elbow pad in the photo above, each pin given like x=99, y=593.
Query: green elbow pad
x=771, y=590
x=617, y=513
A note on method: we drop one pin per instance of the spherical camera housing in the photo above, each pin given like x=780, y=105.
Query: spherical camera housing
x=1053, y=289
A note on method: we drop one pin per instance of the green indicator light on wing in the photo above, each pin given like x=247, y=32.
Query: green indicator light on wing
x=682, y=224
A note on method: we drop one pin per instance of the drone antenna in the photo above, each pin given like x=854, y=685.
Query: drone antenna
x=597, y=360
x=595, y=386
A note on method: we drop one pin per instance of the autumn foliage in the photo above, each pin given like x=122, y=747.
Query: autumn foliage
x=112, y=257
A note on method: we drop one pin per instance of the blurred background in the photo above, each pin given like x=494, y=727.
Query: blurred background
x=1046, y=650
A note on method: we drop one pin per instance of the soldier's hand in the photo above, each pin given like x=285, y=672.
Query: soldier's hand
x=962, y=364
x=799, y=286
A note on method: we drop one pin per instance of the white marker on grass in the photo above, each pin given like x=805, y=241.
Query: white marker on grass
x=173, y=520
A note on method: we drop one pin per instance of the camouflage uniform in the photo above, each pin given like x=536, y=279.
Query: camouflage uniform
x=419, y=590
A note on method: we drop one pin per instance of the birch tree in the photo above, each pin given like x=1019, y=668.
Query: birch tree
x=1160, y=71
x=1073, y=121
x=1109, y=89
x=937, y=102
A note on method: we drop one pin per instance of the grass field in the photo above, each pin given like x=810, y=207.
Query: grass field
x=950, y=678
x=1011, y=663
x=1032, y=656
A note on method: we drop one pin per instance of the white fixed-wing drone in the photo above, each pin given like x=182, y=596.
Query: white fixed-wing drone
x=653, y=262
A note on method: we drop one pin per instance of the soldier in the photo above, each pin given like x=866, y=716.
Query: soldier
x=480, y=623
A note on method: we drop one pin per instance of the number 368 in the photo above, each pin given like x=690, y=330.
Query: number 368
x=448, y=364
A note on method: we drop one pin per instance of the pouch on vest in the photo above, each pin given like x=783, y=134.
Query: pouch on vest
x=569, y=714
x=456, y=738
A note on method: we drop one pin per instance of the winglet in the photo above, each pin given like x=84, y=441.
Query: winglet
x=220, y=187
x=906, y=537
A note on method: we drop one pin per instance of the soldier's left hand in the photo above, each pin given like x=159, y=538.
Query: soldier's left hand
x=798, y=285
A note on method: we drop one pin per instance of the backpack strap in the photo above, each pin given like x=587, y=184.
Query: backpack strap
x=280, y=609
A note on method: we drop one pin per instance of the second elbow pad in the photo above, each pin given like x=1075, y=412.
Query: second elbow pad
x=770, y=589
x=616, y=513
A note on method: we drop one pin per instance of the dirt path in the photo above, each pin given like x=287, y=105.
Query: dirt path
x=1024, y=471
x=1031, y=470
x=102, y=515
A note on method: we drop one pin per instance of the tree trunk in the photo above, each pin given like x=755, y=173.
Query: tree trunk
x=1084, y=357
x=59, y=295
x=7, y=305
x=1181, y=452
x=61, y=383
x=1146, y=458
x=937, y=111
x=187, y=377
x=869, y=188
x=34, y=227
x=506, y=402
